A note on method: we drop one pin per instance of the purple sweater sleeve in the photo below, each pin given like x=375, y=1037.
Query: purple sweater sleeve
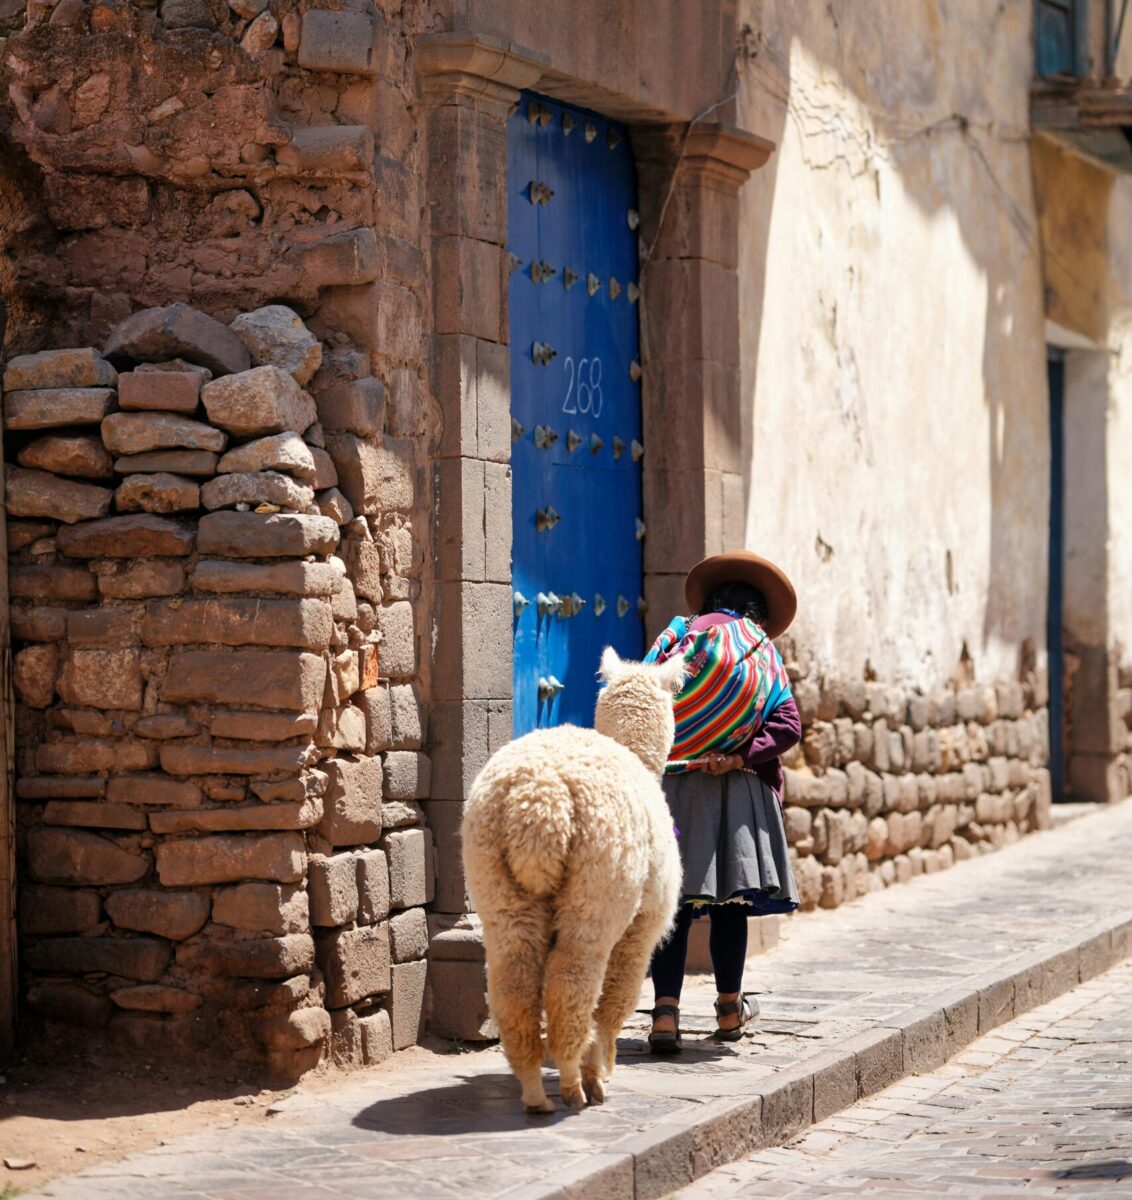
x=782, y=730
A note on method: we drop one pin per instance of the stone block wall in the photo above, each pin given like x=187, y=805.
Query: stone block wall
x=230, y=157
x=889, y=783
x=219, y=745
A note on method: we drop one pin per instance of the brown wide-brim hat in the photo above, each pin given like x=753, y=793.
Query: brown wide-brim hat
x=741, y=566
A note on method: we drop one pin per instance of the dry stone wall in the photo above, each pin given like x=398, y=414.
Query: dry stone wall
x=889, y=783
x=219, y=751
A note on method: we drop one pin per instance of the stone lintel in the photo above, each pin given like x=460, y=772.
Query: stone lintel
x=475, y=67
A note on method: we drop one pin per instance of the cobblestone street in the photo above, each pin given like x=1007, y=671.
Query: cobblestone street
x=849, y=999
x=1043, y=1105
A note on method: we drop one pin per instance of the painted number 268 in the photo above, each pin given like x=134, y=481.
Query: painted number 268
x=586, y=396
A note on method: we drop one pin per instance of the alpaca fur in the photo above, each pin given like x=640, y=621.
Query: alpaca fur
x=572, y=865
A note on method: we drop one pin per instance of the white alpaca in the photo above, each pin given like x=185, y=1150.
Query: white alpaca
x=572, y=864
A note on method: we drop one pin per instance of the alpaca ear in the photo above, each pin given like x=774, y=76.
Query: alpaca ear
x=610, y=665
x=672, y=674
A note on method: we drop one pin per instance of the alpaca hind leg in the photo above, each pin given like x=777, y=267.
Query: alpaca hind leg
x=516, y=943
x=574, y=974
x=624, y=976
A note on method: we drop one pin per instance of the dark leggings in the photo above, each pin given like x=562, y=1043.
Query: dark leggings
x=728, y=944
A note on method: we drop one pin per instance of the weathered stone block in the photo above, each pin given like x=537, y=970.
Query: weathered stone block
x=178, y=331
x=407, y=852
x=334, y=505
x=398, y=639
x=355, y=406
x=275, y=335
x=181, y=759
x=166, y=725
x=254, y=535
x=377, y=1037
x=160, y=493
x=408, y=935
x=132, y=958
x=58, y=910
x=286, y=452
x=54, y=582
x=71, y=856
x=375, y=478
x=327, y=149
x=459, y=1001
x=407, y=775
x=342, y=260
x=259, y=958
x=198, y=463
x=72, y=368
x=141, y=432
x=261, y=487
x=262, y=908
x=333, y=887
x=141, y=536
x=342, y=42
x=93, y=815
x=157, y=999
x=155, y=386
x=353, y=802
x=38, y=624
x=174, y=915
x=102, y=679
x=277, y=680
x=40, y=494
x=56, y=406
x=407, y=1003
x=355, y=963
x=260, y=401
x=232, y=621
x=279, y=857
x=33, y=674
x=70, y=1003
x=373, y=886
x=296, y=1030
x=77, y=454
x=300, y=814
x=262, y=726
x=286, y=578
x=157, y=791
x=82, y=756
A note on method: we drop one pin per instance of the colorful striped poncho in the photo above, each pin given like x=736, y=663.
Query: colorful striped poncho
x=736, y=679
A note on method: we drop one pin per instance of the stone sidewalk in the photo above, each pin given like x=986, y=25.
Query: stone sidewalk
x=1040, y=1105
x=853, y=1001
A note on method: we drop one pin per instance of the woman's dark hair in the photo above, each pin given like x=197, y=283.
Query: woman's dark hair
x=742, y=598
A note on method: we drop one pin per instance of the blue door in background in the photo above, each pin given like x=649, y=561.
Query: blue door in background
x=575, y=407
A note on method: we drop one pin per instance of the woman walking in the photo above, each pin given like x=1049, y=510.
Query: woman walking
x=734, y=717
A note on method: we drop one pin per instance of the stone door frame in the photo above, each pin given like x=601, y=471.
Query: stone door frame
x=689, y=178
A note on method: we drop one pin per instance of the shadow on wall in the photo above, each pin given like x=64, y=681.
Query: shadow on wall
x=945, y=108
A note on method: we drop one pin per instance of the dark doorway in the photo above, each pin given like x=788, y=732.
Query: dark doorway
x=1055, y=612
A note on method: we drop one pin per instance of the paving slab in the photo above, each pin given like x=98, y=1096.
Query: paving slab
x=853, y=1001
x=1041, y=1107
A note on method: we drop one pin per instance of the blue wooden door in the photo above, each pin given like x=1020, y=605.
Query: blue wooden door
x=575, y=407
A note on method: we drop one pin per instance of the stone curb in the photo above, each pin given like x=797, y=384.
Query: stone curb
x=672, y=1154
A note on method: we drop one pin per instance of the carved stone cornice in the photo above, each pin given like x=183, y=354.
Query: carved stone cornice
x=474, y=68
x=709, y=152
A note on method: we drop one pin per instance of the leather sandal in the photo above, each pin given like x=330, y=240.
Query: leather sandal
x=661, y=1041
x=746, y=1010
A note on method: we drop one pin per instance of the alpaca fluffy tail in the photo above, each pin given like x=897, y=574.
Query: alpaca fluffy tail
x=527, y=829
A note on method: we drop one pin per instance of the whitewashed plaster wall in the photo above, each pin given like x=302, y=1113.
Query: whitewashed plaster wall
x=893, y=335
